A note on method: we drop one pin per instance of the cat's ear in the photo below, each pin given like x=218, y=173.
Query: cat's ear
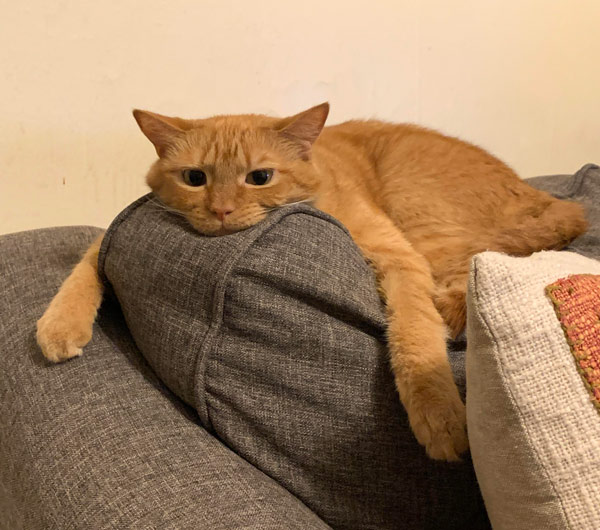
x=304, y=128
x=160, y=130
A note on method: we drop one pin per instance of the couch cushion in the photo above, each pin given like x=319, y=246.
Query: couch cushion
x=534, y=431
x=99, y=442
x=276, y=336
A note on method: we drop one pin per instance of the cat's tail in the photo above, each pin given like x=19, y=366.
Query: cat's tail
x=552, y=226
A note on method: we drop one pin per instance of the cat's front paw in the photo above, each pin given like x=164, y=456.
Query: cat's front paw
x=438, y=420
x=61, y=335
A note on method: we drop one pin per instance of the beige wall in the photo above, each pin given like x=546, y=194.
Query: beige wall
x=521, y=78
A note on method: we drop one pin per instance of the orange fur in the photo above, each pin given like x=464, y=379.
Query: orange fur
x=418, y=204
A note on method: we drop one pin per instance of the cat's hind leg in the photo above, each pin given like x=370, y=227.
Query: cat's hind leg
x=451, y=303
x=548, y=225
x=66, y=326
x=450, y=297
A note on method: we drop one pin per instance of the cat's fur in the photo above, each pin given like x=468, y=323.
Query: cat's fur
x=417, y=203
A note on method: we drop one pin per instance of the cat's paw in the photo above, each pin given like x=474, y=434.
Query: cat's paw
x=62, y=335
x=438, y=420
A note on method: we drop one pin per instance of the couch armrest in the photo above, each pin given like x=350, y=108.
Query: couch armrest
x=99, y=442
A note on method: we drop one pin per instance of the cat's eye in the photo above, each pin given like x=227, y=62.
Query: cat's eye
x=194, y=177
x=259, y=177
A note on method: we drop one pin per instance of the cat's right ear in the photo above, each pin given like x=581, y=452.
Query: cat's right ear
x=304, y=128
x=158, y=130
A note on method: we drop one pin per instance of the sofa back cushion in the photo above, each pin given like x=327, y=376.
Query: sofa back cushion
x=276, y=335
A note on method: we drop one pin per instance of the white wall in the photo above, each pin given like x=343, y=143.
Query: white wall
x=521, y=78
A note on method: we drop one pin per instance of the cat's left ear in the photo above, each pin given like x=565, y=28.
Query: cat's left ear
x=160, y=130
x=304, y=128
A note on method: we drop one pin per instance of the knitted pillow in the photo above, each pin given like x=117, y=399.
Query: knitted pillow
x=276, y=336
x=533, y=332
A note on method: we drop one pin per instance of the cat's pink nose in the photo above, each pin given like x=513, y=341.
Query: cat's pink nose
x=221, y=213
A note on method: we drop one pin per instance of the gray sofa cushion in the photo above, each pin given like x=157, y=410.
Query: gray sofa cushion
x=99, y=442
x=276, y=336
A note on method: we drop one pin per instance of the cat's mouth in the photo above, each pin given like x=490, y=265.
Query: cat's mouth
x=237, y=222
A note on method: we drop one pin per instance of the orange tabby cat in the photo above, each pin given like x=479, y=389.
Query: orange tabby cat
x=417, y=203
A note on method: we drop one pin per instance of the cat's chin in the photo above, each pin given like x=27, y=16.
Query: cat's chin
x=222, y=231
x=214, y=228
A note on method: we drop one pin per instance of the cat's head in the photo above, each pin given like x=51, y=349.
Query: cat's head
x=226, y=173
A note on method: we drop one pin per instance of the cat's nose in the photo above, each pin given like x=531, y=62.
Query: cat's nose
x=221, y=213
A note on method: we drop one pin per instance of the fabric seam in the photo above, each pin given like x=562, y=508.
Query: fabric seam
x=218, y=305
x=116, y=223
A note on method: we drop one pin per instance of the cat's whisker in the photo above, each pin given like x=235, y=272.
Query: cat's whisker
x=172, y=212
x=163, y=207
x=302, y=201
x=278, y=207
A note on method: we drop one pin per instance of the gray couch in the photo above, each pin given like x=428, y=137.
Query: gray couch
x=262, y=399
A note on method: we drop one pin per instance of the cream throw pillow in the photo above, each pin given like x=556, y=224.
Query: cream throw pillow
x=534, y=432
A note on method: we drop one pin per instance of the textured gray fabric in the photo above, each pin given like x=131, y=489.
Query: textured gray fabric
x=99, y=442
x=275, y=335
